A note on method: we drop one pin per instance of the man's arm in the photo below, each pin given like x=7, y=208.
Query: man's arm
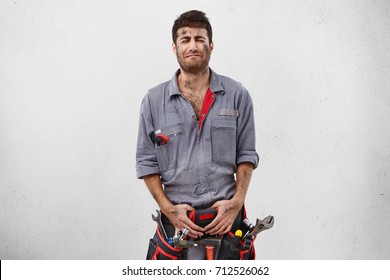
x=229, y=209
x=177, y=214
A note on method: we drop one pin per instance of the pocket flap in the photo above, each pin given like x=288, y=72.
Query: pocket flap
x=228, y=112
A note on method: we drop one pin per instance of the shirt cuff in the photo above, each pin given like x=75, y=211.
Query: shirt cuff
x=146, y=170
x=254, y=159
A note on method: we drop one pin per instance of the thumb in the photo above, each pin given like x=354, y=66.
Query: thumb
x=215, y=205
x=188, y=207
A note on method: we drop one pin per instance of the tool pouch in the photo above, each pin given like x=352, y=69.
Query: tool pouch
x=230, y=250
x=248, y=254
x=233, y=249
x=159, y=249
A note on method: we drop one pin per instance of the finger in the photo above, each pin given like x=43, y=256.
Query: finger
x=215, y=222
x=222, y=227
x=194, y=236
x=192, y=233
x=225, y=229
x=195, y=230
x=177, y=230
x=188, y=207
x=211, y=225
x=216, y=228
x=185, y=222
x=192, y=225
x=215, y=205
x=228, y=228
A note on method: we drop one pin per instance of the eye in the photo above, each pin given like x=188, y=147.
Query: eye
x=184, y=40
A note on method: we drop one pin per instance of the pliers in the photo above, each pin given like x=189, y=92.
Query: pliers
x=158, y=138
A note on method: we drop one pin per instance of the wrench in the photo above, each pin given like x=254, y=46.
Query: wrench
x=261, y=225
x=157, y=219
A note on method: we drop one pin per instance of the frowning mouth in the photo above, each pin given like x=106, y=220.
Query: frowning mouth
x=193, y=55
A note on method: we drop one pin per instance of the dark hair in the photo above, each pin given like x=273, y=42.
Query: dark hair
x=192, y=18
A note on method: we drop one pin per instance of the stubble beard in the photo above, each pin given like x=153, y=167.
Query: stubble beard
x=194, y=67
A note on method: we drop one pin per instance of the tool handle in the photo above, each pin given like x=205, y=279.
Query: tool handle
x=164, y=138
x=209, y=252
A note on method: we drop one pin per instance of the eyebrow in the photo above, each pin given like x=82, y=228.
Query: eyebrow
x=185, y=36
x=200, y=37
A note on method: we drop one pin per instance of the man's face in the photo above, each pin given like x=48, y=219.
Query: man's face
x=192, y=49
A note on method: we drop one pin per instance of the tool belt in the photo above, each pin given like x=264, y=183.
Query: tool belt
x=230, y=249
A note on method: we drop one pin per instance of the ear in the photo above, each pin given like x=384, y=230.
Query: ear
x=174, y=49
x=211, y=47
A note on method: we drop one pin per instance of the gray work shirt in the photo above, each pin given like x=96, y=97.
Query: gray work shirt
x=198, y=163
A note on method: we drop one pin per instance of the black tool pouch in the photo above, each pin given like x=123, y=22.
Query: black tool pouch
x=159, y=249
x=248, y=254
x=233, y=248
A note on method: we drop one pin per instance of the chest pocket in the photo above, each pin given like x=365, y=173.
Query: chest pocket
x=223, y=139
x=173, y=154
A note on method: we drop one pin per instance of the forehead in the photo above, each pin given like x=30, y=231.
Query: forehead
x=191, y=31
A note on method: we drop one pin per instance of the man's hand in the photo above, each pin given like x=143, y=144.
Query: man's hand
x=227, y=213
x=177, y=215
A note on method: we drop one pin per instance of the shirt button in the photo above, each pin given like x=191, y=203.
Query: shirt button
x=213, y=96
x=193, y=116
x=203, y=115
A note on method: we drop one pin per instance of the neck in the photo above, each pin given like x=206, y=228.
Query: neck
x=194, y=81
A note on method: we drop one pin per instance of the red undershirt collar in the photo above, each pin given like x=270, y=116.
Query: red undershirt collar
x=207, y=103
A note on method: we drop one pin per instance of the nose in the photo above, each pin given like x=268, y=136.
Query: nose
x=193, y=46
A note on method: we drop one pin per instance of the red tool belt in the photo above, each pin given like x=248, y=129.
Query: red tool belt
x=230, y=249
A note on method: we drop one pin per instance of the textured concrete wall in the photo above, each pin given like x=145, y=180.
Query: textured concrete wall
x=72, y=76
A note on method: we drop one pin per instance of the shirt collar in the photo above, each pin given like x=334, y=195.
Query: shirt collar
x=215, y=84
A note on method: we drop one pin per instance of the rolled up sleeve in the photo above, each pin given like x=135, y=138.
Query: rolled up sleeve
x=146, y=160
x=246, y=136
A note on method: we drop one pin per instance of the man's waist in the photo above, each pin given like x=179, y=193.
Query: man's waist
x=200, y=187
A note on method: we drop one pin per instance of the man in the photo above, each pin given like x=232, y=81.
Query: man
x=196, y=131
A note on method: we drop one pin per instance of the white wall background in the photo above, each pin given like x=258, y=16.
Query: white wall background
x=72, y=76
